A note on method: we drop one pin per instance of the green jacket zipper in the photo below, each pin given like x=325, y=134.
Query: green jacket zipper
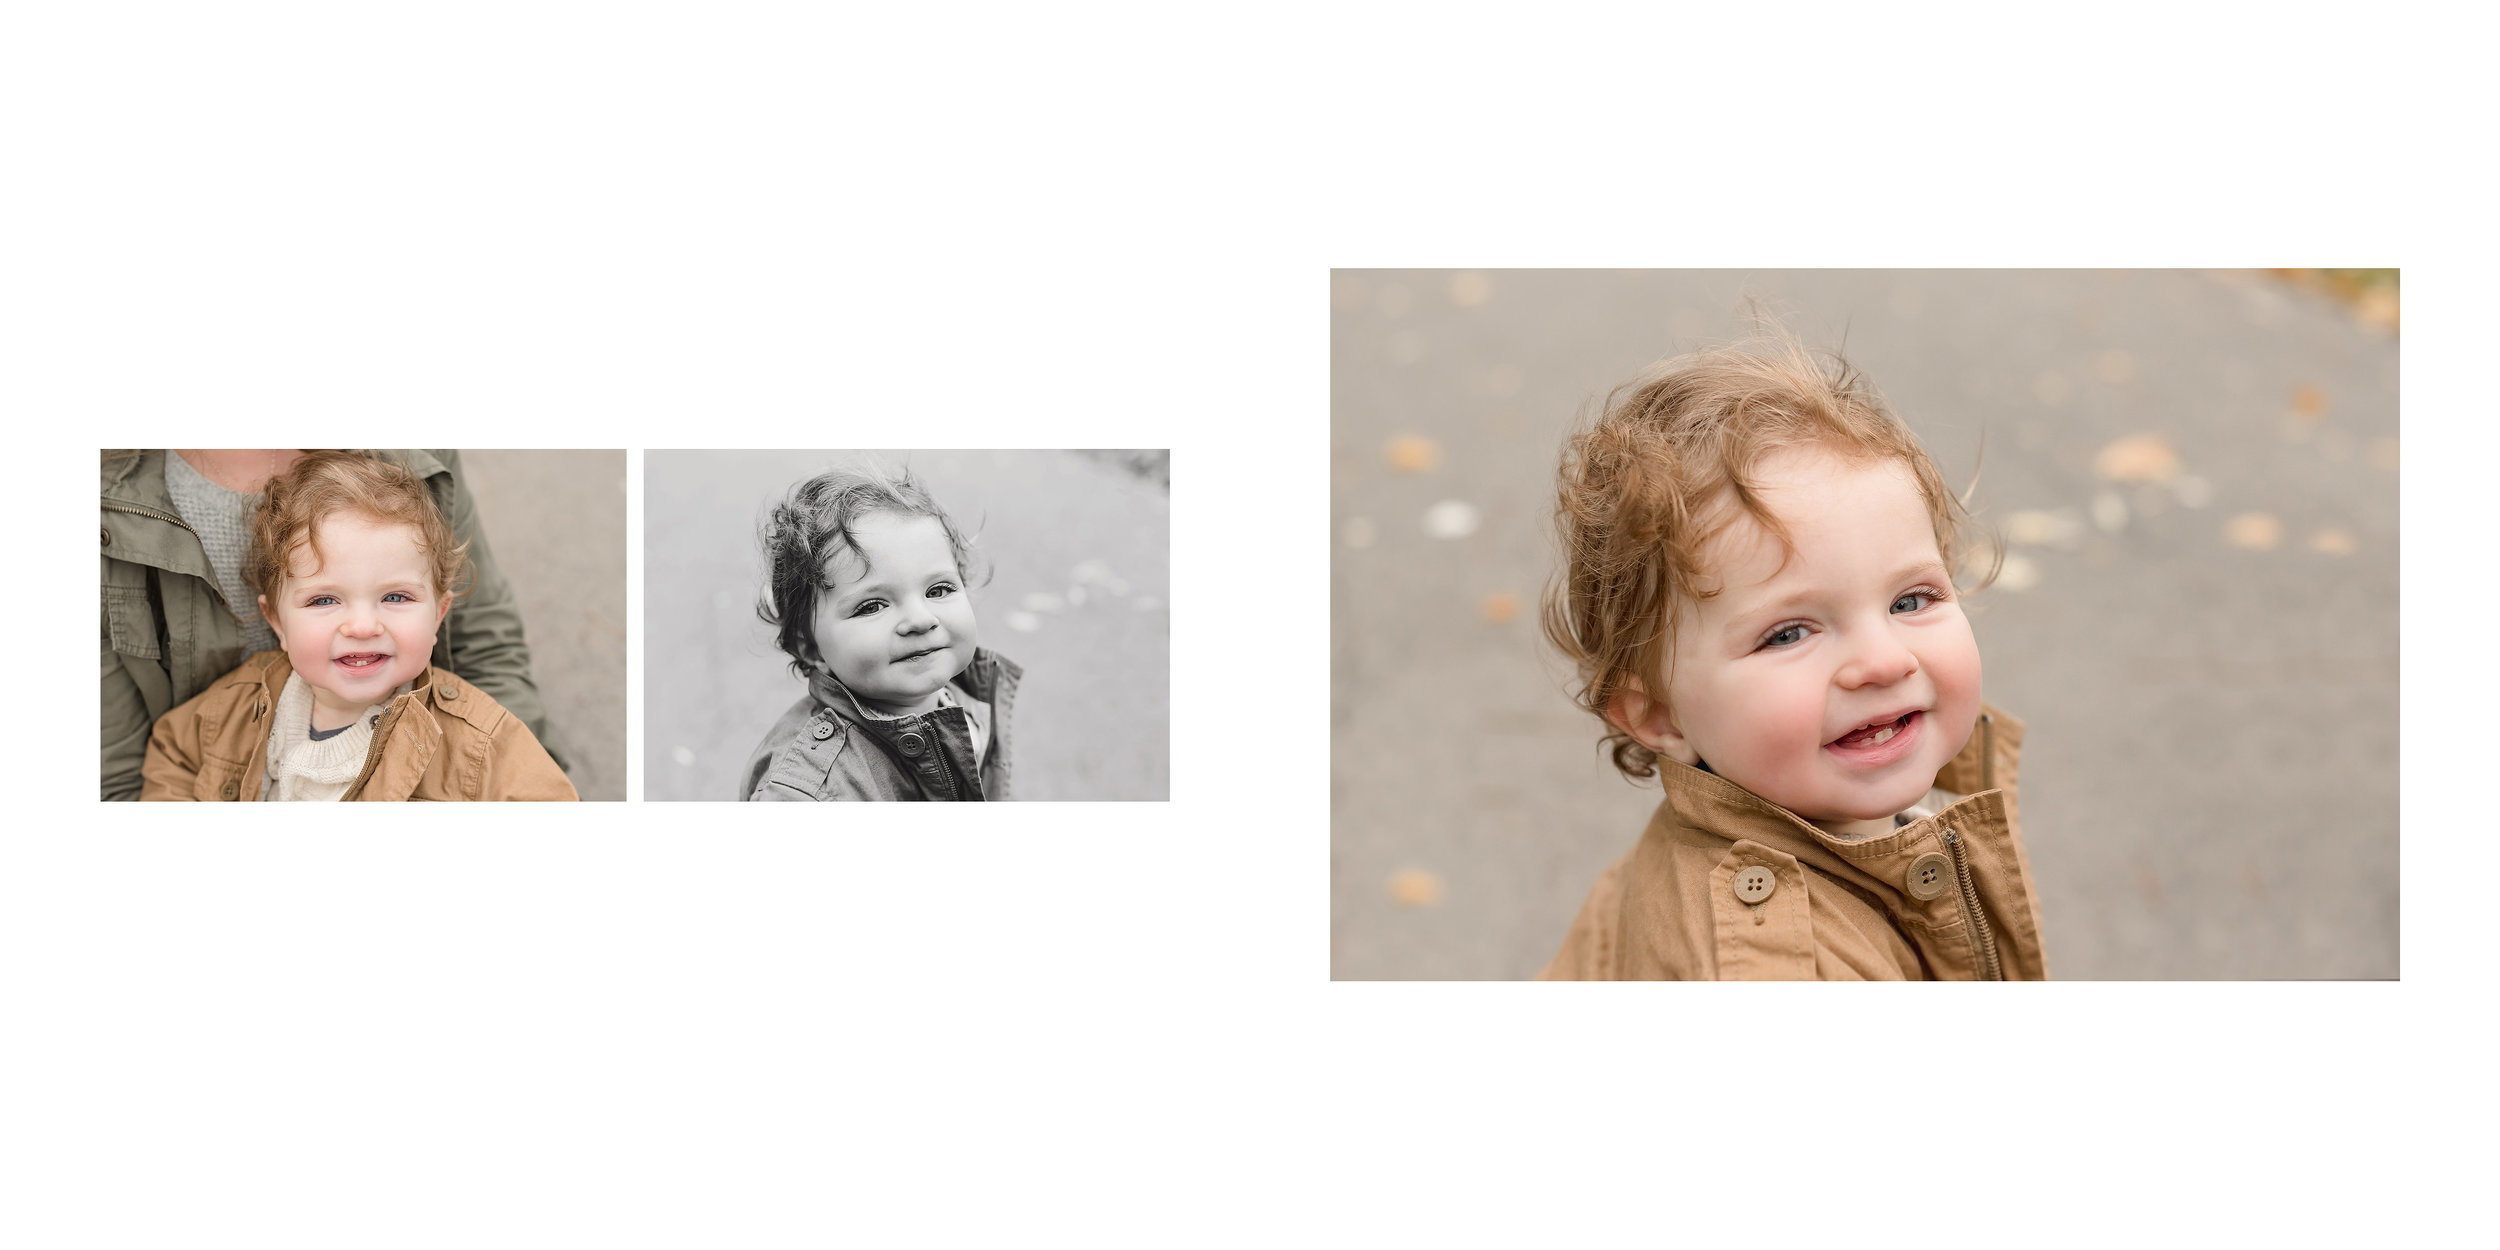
x=1981, y=938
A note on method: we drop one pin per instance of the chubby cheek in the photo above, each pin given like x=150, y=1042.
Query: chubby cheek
x=1785, y=727
x=1954, y=667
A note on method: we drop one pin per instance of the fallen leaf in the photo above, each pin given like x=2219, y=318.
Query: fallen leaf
x=1413, y=887
x=1451, y=518
x=2332, y=542
x=1413, y=453
x=1500, y=606
x=1470, y=289
x=2378, y=308
x=2253, y=531
x=2045, y=529
x=2138, y=458
x=2309, y=400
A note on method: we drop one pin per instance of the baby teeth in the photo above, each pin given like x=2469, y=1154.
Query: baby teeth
x=1882, y=735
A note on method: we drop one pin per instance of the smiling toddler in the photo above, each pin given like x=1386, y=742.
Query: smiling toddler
x=1759, y=597
x=867, y=590
x=355, y=571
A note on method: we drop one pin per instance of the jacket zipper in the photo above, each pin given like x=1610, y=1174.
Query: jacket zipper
x=136, y=510
x=1981, y=938
x=373, y=755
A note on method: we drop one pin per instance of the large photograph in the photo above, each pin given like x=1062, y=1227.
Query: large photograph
x=1882, y=624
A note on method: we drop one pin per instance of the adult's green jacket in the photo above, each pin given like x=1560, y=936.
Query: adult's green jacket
x=168, y=631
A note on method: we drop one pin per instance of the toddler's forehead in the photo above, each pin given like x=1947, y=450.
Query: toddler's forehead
x=887, y=538
x=334, y=541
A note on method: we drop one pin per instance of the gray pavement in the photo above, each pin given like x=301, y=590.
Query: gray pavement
x=2198, y=627
x=1080, y=597
x=556, y=520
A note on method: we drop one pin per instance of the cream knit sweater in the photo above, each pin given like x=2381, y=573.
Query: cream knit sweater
x=301, y=769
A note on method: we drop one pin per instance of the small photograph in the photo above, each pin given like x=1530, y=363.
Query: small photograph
x=906, y=625
x=319, y=625
x=1886, y=625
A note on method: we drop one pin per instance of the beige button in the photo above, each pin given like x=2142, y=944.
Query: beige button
x=450, y=691
x=822, y=731
x=1927, y=875
x=1755, y=884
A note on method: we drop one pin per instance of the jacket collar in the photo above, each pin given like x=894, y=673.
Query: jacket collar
x=270, y=669
x=979, y=679
x=1706, y=801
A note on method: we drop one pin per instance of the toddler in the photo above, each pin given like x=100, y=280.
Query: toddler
x=865, y=585
x=354, y=570
x=1758, y=593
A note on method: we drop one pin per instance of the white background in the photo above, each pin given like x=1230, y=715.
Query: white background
x=532, y=225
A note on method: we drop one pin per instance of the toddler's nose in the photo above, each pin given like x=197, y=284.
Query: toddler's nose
x=1880, y=661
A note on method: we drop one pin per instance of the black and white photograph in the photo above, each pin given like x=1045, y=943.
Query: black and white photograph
x=907, y=625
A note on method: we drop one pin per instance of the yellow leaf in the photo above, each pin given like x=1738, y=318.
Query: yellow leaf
x=1413, y=453
x=1413, y=887
x=2138, y=458
x=1500, y=606
x=2253, y=531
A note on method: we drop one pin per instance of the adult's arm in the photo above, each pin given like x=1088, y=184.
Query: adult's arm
x=172, y=768
x=125, y=730
x=484, y=633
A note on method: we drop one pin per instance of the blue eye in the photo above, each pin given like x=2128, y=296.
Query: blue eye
x=400, y=595
x=1917, y=599
x=321, y=601
x=1780, y=637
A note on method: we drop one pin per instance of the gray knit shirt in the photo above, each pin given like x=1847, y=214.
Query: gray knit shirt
x=223, y=519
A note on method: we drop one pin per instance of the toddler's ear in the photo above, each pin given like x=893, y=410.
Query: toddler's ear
x=1650, y=724
x=272, y=618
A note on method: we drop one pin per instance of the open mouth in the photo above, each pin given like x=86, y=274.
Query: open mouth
x=1876, y=733
x=362, y=660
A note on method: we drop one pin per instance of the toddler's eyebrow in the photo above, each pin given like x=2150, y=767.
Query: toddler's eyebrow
x=1913, y=571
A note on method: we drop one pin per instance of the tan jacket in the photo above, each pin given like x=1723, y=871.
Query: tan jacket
x=444, y=739
x=1727, y=886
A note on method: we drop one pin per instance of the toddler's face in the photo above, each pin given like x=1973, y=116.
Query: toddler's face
x=1837, y=686
x=359, y=618
x=896, y=626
